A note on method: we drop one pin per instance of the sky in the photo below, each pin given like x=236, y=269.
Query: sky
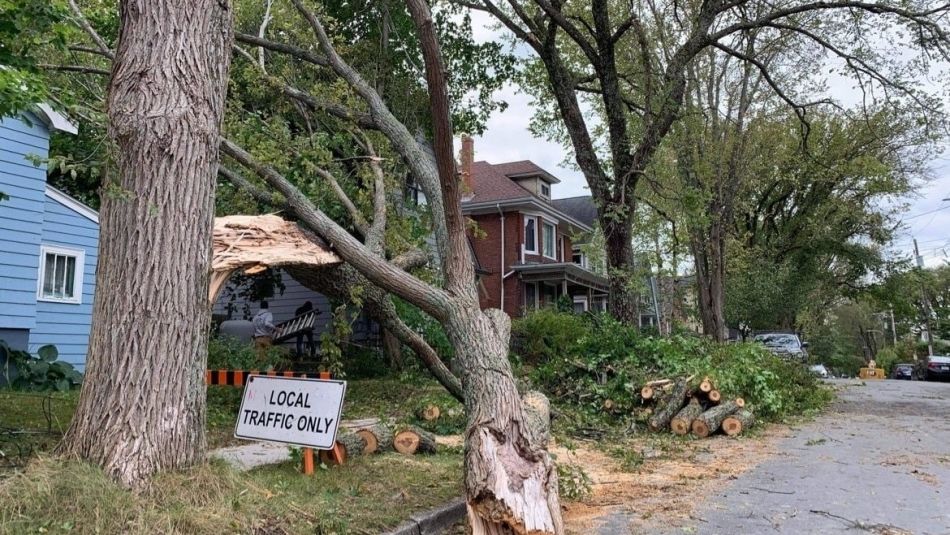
x=507, y=138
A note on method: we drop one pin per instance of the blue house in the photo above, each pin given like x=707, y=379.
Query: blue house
x=49, y=245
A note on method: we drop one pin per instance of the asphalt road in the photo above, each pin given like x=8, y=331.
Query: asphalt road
x=878, y=462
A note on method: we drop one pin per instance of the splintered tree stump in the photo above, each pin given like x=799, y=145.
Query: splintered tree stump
x=670, y=406
x=537, y=412
x=737, y=423
x=706, y=385
x=378, y=438
x=412, y=440
x=708, y=422
x=428, y=413
x=351, y=445
x=683, y=421
x=714, y=396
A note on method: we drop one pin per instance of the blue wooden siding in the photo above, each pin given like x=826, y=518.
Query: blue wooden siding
x=21, y=218
x=66, y=325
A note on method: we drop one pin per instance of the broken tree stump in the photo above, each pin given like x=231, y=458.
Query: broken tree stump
x=683, y=421
x=379, y=438
x=412, y=440
x=737, y=423
x=708, y=422
x=671, y=405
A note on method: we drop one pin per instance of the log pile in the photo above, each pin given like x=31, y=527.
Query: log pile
x=680, y=408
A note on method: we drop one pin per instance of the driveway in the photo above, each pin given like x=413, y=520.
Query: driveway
x=878, y=462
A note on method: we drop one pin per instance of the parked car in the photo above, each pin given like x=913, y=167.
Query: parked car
x=820, y=370
x=938, y=368
x=784, y=345
x=903, y=371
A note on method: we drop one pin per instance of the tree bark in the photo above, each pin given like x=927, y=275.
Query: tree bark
x=683, y=421
x=708, y=422
x=708, y=250
x=379, y=438
x=142, y=407
x=663, y=414
x=623, y=299
x=737, y=423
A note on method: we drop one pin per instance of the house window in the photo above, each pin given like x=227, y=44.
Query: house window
x=548, y=242
x=531, y=235
x=579, y=258
x=60, y=277
x=580, y=305
x=545, y=190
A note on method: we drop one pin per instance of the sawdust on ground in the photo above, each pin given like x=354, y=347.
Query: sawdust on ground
x=666, y=489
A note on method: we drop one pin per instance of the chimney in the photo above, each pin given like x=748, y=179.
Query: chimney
x=467, y=157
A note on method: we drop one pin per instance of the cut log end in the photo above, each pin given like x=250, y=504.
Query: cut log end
x=706, y=385
x=413, y=440
x=378, y=438
x=700, y=429
x=740, y=403
x=646, y=392
x=679, y=426
x=429, y=413
x=715, y=396
x=731, y=426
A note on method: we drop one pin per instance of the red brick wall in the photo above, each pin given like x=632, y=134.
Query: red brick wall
x=487, y=245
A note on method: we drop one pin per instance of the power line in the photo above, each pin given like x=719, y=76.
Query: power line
x=927, y=213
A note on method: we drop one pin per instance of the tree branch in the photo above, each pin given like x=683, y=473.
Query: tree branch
x=84, y=24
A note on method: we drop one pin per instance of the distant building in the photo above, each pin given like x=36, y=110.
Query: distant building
x=527, y=244
x=49, y=244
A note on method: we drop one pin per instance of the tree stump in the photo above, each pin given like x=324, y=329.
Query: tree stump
x=708, y=422
x=412, y=440
x=428, y=413
x=672, y=405
x=683, y=421
x=351, y=445
x=379, y=438
x=737, y=423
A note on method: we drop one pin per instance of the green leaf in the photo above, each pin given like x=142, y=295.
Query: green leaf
x=48, y=353
x=63, y=385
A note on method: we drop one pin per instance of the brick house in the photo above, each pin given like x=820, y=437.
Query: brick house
x=526, y=245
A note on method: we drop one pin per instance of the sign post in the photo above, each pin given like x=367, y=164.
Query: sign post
x=296, y=411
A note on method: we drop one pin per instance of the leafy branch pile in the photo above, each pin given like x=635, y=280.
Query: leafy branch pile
x=597, y=366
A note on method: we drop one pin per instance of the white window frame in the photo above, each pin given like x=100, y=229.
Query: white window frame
x=553, y=255
x=583, y=300
x=79, y=255
x=525, y=244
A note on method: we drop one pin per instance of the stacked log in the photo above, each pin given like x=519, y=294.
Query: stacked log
x=428, y=412
x=672, y=405
x=378, y=438
x=683, y=421
x=708, y=422
x=412, y=440
x=736, y=423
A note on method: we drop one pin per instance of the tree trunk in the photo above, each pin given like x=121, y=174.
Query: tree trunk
x=142, y=407
x=683, y=421
x=663, y=414
x=379, y=438
x=709, y=257
x=708, y=422
x=412, y=440
x=392, y=350
x=510, y=480
x=737, y=423
x=623, y=301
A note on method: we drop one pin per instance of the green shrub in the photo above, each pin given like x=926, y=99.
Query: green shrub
x=845, y=364
x=610, y=360
x=41, y=372
x=540, y=333
x=364, y=363
x=229, y=353
x=886, y=359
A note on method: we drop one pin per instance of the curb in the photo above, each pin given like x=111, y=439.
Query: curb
x=433, y=521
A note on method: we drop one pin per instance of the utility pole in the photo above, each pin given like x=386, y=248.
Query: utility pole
x=925, y=301
x=894, y=328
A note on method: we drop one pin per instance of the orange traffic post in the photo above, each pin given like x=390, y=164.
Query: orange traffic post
x=337, y=454
x=308, y=461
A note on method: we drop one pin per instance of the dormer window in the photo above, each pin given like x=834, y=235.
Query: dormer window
x=545, y=190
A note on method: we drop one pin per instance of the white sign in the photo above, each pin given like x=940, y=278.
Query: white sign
x=302, y=412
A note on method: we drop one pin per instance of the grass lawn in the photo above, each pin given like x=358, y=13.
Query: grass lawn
x=365, y=496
